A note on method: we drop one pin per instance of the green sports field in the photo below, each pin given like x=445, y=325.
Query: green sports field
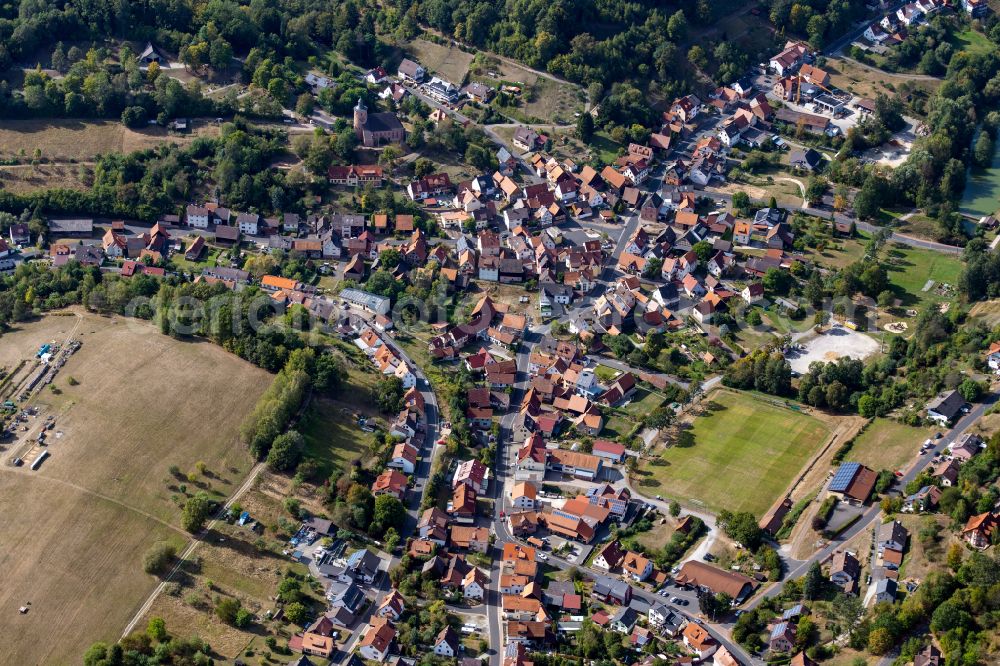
x=740, y=455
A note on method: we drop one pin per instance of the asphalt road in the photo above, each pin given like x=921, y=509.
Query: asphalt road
x=873, y=512
x=861, y=226
x=428, y=453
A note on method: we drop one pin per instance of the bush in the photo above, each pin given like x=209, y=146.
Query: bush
x=286, y=452
x=295, y=612
x=158, y=558
x=196, y=511
x=228, y=610
x=243, y=618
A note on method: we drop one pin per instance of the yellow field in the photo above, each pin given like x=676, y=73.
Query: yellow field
x=75, y=531
x=62, y=140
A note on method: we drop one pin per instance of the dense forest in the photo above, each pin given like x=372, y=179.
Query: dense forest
x=594, y=42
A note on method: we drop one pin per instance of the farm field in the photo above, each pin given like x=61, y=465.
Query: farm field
x=75, y=140
x=142, y=403
x=734, y=445
x=887, y=444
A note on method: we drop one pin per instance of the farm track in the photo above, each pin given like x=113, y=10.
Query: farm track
x=183, y=557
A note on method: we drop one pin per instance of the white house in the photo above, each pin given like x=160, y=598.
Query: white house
x=446, y=643
x=377, y=640
x=909, y=14
x=197, y=216
x=753, y=293
x=881, y=590
x=523, y=496
x=637, y=567
x=875, y=34
x=993, y=357
x=405, y=375
x=248, y=223
x=404, y=458
x=474, y=584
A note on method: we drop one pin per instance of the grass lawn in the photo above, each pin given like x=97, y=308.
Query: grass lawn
x=605, y=374
x=616, y=426
x=840, y=253
x=332, y=435
x=910, y=268
x=970, y=41
x=888, y=444
x=447, y=62
x=77, y=529
x=208, y=258
x=604, y=146
x=643, y=402
x=741, y=442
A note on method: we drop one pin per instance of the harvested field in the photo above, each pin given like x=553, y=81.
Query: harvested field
x=888, y=444
x=79, y=526
x=61, y=140
x=76, y=558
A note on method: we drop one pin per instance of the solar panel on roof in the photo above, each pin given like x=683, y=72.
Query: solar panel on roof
x=779, y=629
x=842, y=479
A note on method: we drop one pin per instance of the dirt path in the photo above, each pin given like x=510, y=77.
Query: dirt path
x=802, y=187
x=801, y=542
x=186, y=554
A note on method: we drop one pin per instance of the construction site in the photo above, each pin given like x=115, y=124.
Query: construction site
x=24, y=436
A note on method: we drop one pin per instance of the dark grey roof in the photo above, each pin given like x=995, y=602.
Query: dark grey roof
x=555, y=289
x=350, y=598
x=947, y=404
x=668, y=292
x=225, y=273
x=383, y=122
x=604, y=586
x=626, y=615
x=74, y=226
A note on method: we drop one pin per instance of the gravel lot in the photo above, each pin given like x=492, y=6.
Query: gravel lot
x=830, y=346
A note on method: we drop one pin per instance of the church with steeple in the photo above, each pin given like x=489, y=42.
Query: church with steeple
x=376, y=129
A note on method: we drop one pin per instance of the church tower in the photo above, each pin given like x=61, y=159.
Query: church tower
x=360, y=119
